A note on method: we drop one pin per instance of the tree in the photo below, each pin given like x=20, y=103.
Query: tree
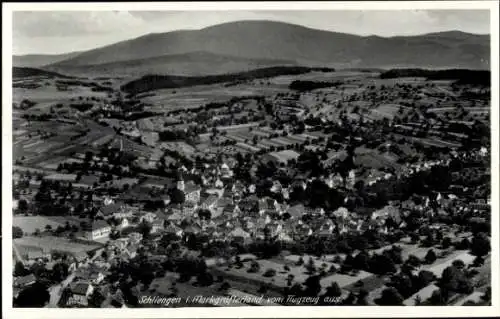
x=96, y=298
x=204, y=214
x=413, y=261
x=487, y=294
x=478, y=261
x=403, y=283
x=20, y=270
x=437, y=298
x=177, y=196
x=459, y=264
x=362, y=297
x=144, y=228
x=361, y=261
x=430, y=257
x=313, y=286
x=333, y=290
x=204, y=279
x=225, y=286
x=446, y=242
x=381, y=264
x=17, y=232
x=425, y=277
x=480, y=245
x=300, y=261
x=34, y=296
x=60, y=271
x=311, y=268
x=269, y=273
x=22, y=206
x=254, y=267
x=390, y=297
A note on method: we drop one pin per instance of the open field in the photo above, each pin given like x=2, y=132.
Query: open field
x=30, y=223
x=49, y=243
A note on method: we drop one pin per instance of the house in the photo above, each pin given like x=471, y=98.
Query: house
x=299, y=183
x=302, y=231
x=108, y=210
x=334, y=181
x=225, y=171
x=175, y=217
x=268, y=205
x=386, y=212
x=99, y=229
x=124, y=223
x=239, y=234
x=209, y=202
x=148, y=217
x=251, y=189
x=249, y=204
x=284, y=236
x=238, y=188
x=134, y=237
x=192, y=192
x=91, y=275
x=219, y=183
x=192, y=229
x=172, y=229
x=223, y=202
x=231, y=209
x=130, y=251
x=189, y=208
x=80, y=293
x=318, y=212
x=296, y=211
x=274, y=228
x=24, y=281
x=96, y=277
x=277, y=187
x=157, y=225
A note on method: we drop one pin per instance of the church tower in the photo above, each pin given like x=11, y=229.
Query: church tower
x=180, y=182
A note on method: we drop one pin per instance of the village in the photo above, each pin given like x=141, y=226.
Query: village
x=352, y=195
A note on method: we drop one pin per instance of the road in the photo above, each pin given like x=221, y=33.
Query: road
x=18, y=254
x=55, y=291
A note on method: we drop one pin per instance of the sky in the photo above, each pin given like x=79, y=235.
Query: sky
x=54, y=32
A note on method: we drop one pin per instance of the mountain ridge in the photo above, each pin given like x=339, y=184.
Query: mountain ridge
x=273, y=40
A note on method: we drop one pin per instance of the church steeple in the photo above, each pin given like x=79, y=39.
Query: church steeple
x=180, y=181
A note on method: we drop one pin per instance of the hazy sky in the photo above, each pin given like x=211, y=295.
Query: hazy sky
x=66, y=31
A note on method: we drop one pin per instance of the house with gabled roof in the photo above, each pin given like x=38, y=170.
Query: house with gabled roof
x=274, y=228
x=80, y=292
x=98, y=229
x=192, y=192
x=209, y=202
x=239, y=234
x=157, y=225
x=238, y=188
x=231, y=210
x=192, y=229
x=172, y=229
x=148, y=217
x=302, y=231
x=175, y=217
x=268, y=205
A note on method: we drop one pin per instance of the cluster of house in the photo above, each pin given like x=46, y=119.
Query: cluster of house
x=232, y=211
